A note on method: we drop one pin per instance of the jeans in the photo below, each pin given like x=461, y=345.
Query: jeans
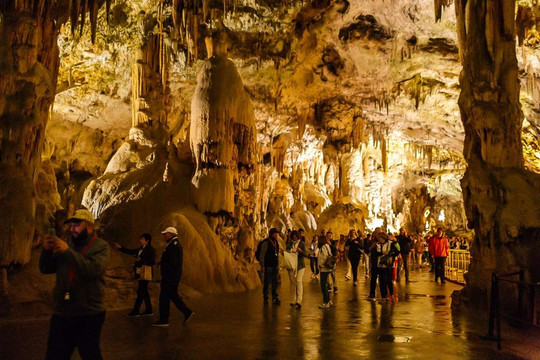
x=324, y=286
x=314, y=264
x=142, y=295
x=405, y=262
x=366, y=263
x=270, y=277
x=354, y=265
x=439, y=268
x=297, y=288
x=68, y=333
x=168, y=293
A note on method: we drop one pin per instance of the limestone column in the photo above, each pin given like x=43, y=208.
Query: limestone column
x=29, y=64
x=501, y=198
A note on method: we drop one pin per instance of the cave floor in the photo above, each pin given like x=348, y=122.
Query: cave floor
x=238, y=326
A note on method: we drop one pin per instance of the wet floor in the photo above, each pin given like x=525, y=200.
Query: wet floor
x=421, y=325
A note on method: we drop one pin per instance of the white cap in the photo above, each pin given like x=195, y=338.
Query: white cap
x=171, y=230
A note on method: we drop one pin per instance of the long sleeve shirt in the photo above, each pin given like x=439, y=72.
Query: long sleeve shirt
x=87, y=287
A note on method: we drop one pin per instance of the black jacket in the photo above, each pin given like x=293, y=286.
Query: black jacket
x=404, y=244
x=171, y=261
x=355, y=248
x=146, y=257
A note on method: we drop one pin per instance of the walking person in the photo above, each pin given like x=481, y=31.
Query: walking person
x=355, y=245
x=79, y=265
x=326, y=268
x=171, y=273
x=313, y=252
x=296, y=245
x=269, y=259
x=405, y=248
x=144, y=256
x=439, y=250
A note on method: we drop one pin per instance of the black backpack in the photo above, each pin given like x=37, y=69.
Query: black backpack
x=258, y=251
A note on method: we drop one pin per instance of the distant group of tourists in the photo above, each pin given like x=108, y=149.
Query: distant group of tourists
x=385, y=257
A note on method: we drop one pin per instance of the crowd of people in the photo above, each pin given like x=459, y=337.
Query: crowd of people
x=385, y=258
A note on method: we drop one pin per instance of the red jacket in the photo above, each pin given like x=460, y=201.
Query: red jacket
x=438, y=246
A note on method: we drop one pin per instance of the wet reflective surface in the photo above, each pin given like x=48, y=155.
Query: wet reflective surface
x=420, y=324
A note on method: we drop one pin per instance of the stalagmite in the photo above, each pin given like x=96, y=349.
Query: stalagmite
x=222, y=134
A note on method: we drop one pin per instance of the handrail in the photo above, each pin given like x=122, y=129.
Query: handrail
x=457, y=265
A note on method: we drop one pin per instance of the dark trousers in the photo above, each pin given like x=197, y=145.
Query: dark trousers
x=168, y=293
x=405, y=262
x=324, y=286
x=68, y=333
x=385, y=281
x=270, y=277
x=314, y=263
x=142, y=295
x=354, y=264
x=439, y=268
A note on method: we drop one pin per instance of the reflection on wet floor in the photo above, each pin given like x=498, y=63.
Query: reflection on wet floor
x=421, y=324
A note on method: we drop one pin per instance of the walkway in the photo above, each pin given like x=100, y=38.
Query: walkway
x=238, y=326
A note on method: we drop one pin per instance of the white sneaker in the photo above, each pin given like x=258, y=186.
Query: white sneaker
x=324, y=305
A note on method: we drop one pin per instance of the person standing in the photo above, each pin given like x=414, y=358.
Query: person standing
x=313, y=252
x=270, y=265
x=79, y=265
x=355, y=245
x=296, y=276
x=171, y=272
x=405, y=242
x=334, y=247
x=367, y=242
x=439, y=250
x=324, y=253
x=145, y=255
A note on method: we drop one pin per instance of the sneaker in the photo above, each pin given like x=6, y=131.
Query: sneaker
x=330, y=303
x=161, y=323
x=335, y=289
x=297, y=306
x=324, y=306
x=189, y=317
x=347, y=278
x=147, y=313
x=133, y=314
x=355, y=283
x=372, y=298
x=276, y=302
x=292, y=304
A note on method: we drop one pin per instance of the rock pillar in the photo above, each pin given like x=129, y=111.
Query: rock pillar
x=501, y=198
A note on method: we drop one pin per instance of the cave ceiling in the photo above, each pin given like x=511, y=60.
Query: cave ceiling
x=326, y=79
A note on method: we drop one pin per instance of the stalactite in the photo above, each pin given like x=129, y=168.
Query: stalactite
x=384, y=154
x=440, y=5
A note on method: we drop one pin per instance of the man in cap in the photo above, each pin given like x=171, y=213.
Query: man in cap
x=171, y=273
x=79, y=265
x=269, y=259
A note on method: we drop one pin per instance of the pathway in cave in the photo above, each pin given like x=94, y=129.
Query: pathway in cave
x=239, y=326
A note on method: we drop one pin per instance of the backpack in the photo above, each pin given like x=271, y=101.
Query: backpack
x=258, y=251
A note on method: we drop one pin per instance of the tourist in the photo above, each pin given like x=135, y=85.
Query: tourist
x=296, y=245
x=439, y=250
x=80, y=266
x=313, y=252
x=355, y=245
x=367, y=242
x=171, y=273
x=269, y=259
x=325, y=253
x=333, y=246
x=419, y=251
x=301, y=234
x=405, y=248
x=427, y=247
x=144, y=256
x=383, y=253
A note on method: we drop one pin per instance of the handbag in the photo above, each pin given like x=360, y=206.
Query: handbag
x=290, y=260
x=330, y=261
x=146, y=273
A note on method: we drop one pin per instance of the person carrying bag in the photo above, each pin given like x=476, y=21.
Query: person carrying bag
x=145, y=257
x=293, y=261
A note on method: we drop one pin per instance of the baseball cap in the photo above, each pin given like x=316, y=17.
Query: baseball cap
x=81, y=215
x=171, y=230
